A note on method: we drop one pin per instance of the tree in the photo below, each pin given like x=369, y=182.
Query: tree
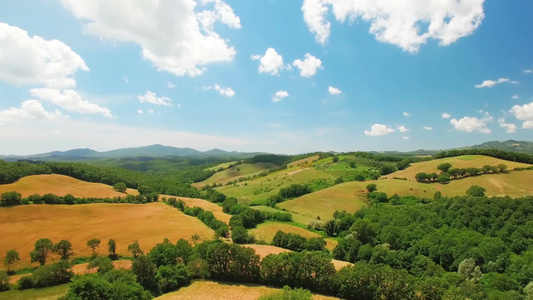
x=10, y=199
x=40, y=253
x=371, y=187
x=421, y=177
x=93, y=244
x=12, y=257
x=172, y=277
x=289, y=294
x=120, y=187
x=388, y=168
x=444, y=167
x=112, y=247
x=444, y=177
x=102, y=264
x=502, y=168
x=145, y=271
x=335, y=159
x=135, y=249
x=64, y=249
x=4, y=281
x=476, y=191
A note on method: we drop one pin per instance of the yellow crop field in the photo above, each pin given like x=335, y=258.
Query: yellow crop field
x=204, y=204
x=465, y=161
x=210, y=290
x=62, y=185
x=21, y=226
x=266, y=231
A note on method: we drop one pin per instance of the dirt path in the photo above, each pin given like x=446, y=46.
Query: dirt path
x=297, y=171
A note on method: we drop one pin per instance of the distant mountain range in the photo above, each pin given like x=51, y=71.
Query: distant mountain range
x=168, y=151
x=146, y=151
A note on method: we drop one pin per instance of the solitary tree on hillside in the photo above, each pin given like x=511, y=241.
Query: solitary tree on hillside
x=64, y=249
x=112, y=247
x=120, y=187
x=476, y=191
x=135, y=249
x=12, y=257
x=42, y=248
x=93, y=244
x=371, y=187
x=444, y=167
x=335, y=159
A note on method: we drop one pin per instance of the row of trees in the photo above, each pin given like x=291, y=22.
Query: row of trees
x=510, y=156
x=447, y=173
x=15, y=198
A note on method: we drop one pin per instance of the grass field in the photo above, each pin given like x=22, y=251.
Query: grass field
x=210, y=290
x=266, y=231
x=49, y=293
x=150, y=223
x=465, y=161
x=222, y=165
x=264, y=187
x=236, y=172
x=304, y=220
x=61, y=185
x=304, y=162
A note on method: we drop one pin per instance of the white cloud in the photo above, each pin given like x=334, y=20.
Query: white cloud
x=524, y=113
x=170, y=85
x=176, y=36
x=406, y=114
x=491, y=83
x=334, y=90
x=427, y=128
x=226, y=92
x=308, y=66
x=511, y=128
x=314, y=13
x=70, y=100
x=528, y=71
x=140, y=111
x=515, y=97
x=379, y=129
x=279, y=95
x=402, y=128
x=29, y=109
x=446, y=116
x=26, y=60
x=271, y=62
x=405, y=137
x=126, y=80
x=470, y=124
x=407, y=24
x=152, y=98
x=150, y=111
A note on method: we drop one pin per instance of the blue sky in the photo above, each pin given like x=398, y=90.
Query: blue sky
x=275, y=76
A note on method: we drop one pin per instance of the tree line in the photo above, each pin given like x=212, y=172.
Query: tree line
x=15, y=198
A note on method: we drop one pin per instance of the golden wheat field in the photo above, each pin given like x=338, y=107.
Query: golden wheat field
x=62, y=185
x=21, y=226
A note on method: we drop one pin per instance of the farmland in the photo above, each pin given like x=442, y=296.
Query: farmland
x=266, y=231
x=236, y=172
x=210, y=290
x=150, y=223
x=61, y=185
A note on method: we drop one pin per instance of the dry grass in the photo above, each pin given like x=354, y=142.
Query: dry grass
x=48, y=293
x=61, y=185
x=150, y=223
x=465, y=161
x=236, y=172
x=304, y=162
x=264, y=250
x=267, y=230
x=209, y=290
x=204, y=204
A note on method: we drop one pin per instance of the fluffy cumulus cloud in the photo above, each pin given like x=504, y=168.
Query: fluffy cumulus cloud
x=270, y=63
x=427, y=128
x=26, y=60
x=279, y=95
x=470, y=124
x=226, y=92
x=402, y=128
x=175, y=35
x=379, y=129
x=406, y=114
x=491, y=83
x=29, y=109
x=446, y=115
x=511, y=128
x=70, y=100
x=405, y=23
x=308, y=66
x=524, y=113
x=334, y=91
x=152, y=98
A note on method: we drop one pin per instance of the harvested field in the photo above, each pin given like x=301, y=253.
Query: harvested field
x=236, y=172
x=305, y=161
x=465, y=161
x=210, y=290
x=264, y=250
x=150, y=223
x=206, y=205
x=304, y=220
x=266, y=231
x=62, y=185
